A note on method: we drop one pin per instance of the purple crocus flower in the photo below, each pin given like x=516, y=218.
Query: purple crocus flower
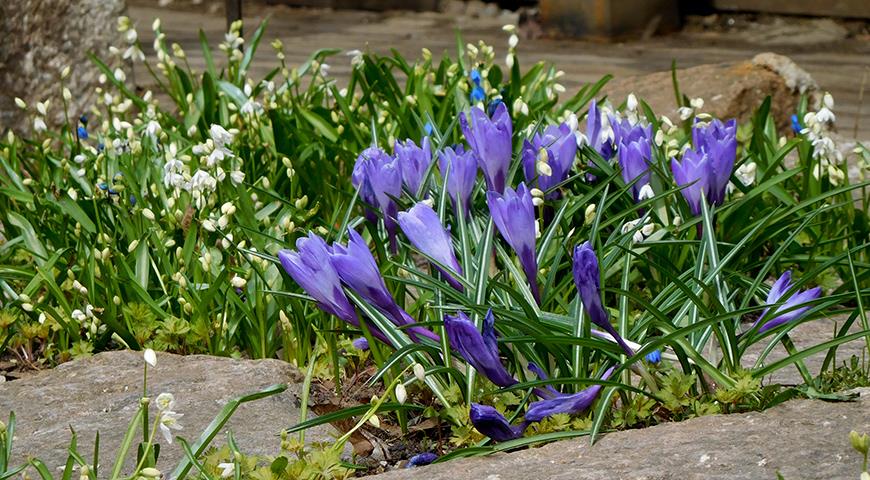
x=490, y=422
x=514, y=215
x=599, y=134
x=570, y=404
x=361, y=343
x=459, y=167
x=379, y=179
x=357, y=268
x=708, y=166
x=561, y=146
x=691, y=174
x=491, y=140
x=421, y=459
x=310, y=267
x=423, y=228
x=413, y=162
x=587, y=278
x=783, y=285
x=634, y=152
x=480, y=350
x=719, y=142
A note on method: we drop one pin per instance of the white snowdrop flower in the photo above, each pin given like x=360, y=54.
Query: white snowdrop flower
x=220, y=135
x=536, y=192
x=375, y=421
x=537, y=229
x=324, y=69
x=148, y=214
x=42, y=107
x=156, y=24
x=119, y=75
x=227, y=469
x=238, y=282
x=27, y=307
x=646, y=192
x=648, y=228
x=419, y=371
x=509, y=28
x=631, y=102
x=151, y=472
x=41, y=318
x=558, y=87
x=401, y=393
x=165, y=401
x=746, y=173
x=209, y=225
x=660, y=138
x=513, y=40
x=67, y=95
x=825, y=115
x=21, y=103
x=237, y=177
x=228, y=208
x=678, y=220
x=39, y=125
x=150, y=357
x=544, y=168
x=223, y=221
x=131, y=36
x=356, y=59
x=828, y=101
x=697, y=103
x=509, y=60
x=589, y=214
x=72, y=194
x=169, y=422
x=80, y=158
x=537, y=201
x=685, y=113
x=572, y=121
x=153, y=129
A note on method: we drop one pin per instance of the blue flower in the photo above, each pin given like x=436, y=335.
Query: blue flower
x=777, y=291
x=587, y=278
x=479, y=349
x=421, y=459
x=570, y=404
x=475, y=76
x=423, y=228
x=357, y=268
x=493, y=104
x=428, y=128
x=379, y=180
x=413, y=162
x=477, y=95
x=514, y=215
x=561, y=148
x=796, y=124
x=654, y=357
x=459, y=168
x=488, y=421
x=83, y=132
x=491, y=140
x=361, y=343
x=83, y=119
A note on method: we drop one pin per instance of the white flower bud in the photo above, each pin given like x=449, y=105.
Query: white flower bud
x=150, y=357
x=631, y=103
x=419, y=371
x=21, y=104
x=401, y=393
x=132, y=246
x=148, y=214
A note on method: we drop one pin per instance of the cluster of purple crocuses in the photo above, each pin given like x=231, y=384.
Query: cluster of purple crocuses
x=325, y=271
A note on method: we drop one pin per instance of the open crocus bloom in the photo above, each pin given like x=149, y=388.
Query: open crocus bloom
x=791, y=310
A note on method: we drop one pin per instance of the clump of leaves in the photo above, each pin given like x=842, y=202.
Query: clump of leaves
x=852, y=374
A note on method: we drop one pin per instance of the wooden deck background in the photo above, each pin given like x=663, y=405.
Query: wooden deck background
x=838, y=68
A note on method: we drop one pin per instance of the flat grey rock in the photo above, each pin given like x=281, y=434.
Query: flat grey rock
x=802, y=439
x=101, y=393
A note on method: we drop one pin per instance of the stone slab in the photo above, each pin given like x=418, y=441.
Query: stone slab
x=801, y=439
x=101, y=393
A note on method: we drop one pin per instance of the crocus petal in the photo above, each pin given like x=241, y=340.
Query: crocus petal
x=479, y=350
x=491, y=140
x=570, y=404
x=421, y=459
x=587, y=278
x=413, y=162
x=357, y=268
x=561, y=146
x=423, y=228
x=514, y=215
x=459, y=168
x=488, y=421
x=310, y=267
x=379, y=179
x=793, y=313
x=634, y=152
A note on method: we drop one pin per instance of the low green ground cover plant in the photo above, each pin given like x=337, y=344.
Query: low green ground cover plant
x=515, y=267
